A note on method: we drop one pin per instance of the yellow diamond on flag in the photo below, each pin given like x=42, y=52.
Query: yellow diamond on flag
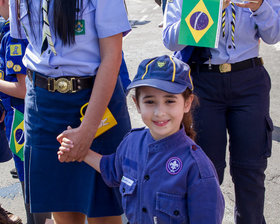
x=199, y=21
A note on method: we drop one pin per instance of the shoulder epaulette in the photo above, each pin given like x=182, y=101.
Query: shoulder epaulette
x=203, y=162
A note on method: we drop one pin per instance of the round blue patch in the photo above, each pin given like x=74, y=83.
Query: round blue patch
x=174, y=165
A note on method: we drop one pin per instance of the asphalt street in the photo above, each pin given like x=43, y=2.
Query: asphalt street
x=144, y=41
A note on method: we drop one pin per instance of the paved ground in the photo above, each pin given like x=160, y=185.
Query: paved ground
x=143, y=42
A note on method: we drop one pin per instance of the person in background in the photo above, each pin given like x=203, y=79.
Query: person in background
x=233, y=89
x=73, y=60
x=162, y=174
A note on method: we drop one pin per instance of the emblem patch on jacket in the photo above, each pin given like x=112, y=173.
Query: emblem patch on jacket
x=15, y=50
x=174, y=165
x=80, y=27
x=17, y=68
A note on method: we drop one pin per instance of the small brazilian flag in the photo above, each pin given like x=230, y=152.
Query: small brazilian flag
x=17, y=134
x=200, y=23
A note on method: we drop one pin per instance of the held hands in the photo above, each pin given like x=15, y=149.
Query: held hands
x=74, y=145
x=92, y=158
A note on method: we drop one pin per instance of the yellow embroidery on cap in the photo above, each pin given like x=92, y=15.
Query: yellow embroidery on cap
x=15, y=50
x=17, y=68
x=160, y=64
x=10, y=64
x=174, y=69
x=147, y=67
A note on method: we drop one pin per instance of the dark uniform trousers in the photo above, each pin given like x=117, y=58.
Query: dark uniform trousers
x=237, y=103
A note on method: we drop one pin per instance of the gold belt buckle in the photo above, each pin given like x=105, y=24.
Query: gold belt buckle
x=225, y=68
x=61, y=85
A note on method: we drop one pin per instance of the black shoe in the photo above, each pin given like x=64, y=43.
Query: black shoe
x=8, y=217
x=13, y=171
x=15, y=176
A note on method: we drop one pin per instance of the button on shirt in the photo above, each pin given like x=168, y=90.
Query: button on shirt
x=250, y=26
x=163, y=184
x=96, y=19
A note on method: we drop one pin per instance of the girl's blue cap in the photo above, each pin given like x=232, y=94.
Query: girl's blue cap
x=166, y=73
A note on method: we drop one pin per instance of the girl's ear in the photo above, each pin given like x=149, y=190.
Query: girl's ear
x=188, y=103
x=136, y=104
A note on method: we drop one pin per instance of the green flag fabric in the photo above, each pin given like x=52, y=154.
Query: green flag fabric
x=17, y=134
x=200, y=23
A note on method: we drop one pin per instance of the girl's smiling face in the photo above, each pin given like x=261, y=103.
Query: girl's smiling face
x=162, y=112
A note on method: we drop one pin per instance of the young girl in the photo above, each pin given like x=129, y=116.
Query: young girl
x=163, y=176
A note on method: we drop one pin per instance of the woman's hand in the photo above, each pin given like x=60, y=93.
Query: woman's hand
x=75, y=144
x=254, y=5
x=104, y=85
x=225, y=4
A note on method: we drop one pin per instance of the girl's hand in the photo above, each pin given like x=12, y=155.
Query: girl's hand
x=225, y=4
x=66, y=145
x=254, y=5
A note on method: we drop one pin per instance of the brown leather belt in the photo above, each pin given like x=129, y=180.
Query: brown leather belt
x=65, y=84
x=224, y=68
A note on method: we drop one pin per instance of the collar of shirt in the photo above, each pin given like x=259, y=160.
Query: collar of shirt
x=168, y=142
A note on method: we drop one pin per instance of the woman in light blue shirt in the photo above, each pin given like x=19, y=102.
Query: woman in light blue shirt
x=73, y=58
x=233, y=89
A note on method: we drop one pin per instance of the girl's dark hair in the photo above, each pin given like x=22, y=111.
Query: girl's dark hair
x=64, y=17
x=65, y=14
x=187, y=118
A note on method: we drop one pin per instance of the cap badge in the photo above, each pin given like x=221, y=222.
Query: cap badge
x=174, y=165
x=161, y=64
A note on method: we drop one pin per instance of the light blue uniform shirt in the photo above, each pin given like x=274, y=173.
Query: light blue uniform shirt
x=100, y=19
x=250, y=26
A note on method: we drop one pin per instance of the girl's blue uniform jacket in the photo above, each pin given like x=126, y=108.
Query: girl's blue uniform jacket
x=165, y=181
x=11, y=54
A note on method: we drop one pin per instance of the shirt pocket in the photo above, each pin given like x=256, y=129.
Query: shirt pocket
x=171, y=208
x=269, y=129
x=85, y=25
x=128, y=192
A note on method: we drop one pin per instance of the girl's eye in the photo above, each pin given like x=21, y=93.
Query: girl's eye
x=170, y=101
x=149, y=102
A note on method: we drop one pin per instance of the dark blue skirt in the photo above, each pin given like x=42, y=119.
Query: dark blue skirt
x=52, y=186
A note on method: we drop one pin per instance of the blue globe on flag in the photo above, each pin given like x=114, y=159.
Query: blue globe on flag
x=199, y=21
x=19, y=136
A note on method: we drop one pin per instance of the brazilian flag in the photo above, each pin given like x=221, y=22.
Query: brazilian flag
x=200, y=23
x=17, y=134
